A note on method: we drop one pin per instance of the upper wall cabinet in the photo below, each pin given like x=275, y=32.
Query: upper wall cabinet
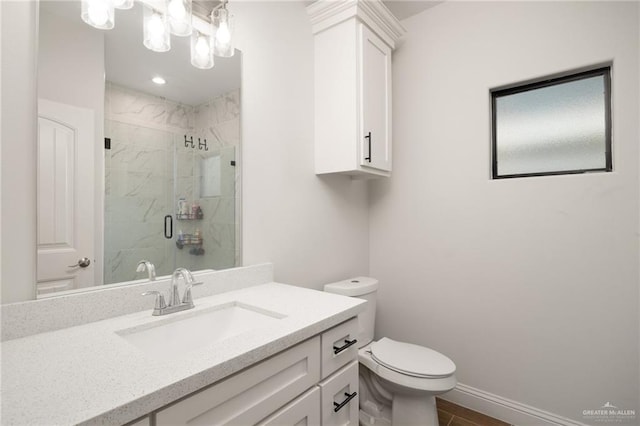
x=353, y=43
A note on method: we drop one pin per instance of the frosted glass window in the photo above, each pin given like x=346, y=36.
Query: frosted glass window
x=556, y=126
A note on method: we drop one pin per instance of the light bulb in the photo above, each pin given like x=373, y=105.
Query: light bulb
x=179, y=12
x=202, y=47
x=156, y=26
x=177, y=9
x=201, y=50
x=156, y=31
x=223, y=35
x=98, y=12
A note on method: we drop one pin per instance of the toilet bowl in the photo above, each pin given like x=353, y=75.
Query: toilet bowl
x=398, y=381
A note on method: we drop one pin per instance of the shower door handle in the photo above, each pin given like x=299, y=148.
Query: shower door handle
x=168, y=226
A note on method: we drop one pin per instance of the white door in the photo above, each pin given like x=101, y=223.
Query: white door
x=65, y=197
x=376, y=101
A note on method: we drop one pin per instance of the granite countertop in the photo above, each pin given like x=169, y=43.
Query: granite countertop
x=89, y=374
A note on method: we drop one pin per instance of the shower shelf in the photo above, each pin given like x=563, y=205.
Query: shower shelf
x=189, y=240
x=189, y=217
x=194, y=242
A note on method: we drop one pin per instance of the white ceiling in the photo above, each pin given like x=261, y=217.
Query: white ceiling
x=402, y=9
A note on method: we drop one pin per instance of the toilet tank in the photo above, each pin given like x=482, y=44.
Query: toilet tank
x=362, y=288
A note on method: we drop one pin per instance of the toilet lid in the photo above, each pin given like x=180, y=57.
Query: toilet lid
x=412, y=360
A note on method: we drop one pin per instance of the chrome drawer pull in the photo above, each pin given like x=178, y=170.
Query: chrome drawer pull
x=347, y=344
x=345, y=402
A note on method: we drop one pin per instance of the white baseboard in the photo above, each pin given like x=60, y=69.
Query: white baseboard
x=505, y=409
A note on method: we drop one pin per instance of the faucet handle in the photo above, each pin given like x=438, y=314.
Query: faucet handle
x=187, y=298
x=160, y=303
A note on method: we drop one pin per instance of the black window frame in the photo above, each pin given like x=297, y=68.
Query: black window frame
x=604, y=71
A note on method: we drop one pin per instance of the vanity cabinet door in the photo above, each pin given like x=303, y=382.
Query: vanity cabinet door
x=339, y=397
x=251, y=395
x=375, y=101
x=305, y=410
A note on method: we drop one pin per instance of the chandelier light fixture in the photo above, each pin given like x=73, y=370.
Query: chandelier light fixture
x=164, y=18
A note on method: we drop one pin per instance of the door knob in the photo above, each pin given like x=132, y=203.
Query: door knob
x=83, y=263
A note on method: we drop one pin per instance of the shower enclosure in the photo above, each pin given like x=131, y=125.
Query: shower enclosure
x=170, y=186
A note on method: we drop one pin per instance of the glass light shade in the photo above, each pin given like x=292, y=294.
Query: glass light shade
x=98, y=13
x=179, y=12
x=123, y=4
x=201, y=50
x=223, y=23
x=156, y=30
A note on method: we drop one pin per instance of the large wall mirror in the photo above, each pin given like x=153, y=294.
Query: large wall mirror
x=129, y=169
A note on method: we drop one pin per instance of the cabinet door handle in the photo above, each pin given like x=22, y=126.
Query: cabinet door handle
x=168, y=226
x=369, y=138
x=337, y=406
x=347, y=344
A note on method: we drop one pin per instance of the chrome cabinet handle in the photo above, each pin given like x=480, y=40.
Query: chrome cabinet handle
x=82, y=263
x=347, y=344
x=338, y=407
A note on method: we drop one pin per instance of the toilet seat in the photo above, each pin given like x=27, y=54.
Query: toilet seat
x=411, y=360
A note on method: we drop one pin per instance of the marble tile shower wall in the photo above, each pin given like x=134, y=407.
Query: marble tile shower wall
x=147, y=133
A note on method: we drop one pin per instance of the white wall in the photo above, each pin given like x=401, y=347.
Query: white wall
x=71, y=63
x=530, y=285
x=314, y=229
x=18, y=104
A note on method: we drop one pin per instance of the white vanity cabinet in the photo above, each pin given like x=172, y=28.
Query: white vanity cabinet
x=248, y=397
x=314, y=383
x=353, y=41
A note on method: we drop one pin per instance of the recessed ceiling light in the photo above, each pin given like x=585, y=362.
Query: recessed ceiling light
x=158, y=80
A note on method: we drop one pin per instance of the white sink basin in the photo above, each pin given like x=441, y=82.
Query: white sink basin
x=177, y=335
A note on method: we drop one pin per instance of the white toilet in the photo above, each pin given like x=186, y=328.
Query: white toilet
x=400, y=380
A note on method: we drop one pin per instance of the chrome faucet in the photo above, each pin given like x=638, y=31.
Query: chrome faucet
x=175, y=304
x=151, y=270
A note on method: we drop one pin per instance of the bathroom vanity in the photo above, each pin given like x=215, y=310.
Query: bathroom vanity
x=268, y=353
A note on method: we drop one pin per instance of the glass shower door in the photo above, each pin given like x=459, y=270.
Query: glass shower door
x=205, y=205
x=139, y=170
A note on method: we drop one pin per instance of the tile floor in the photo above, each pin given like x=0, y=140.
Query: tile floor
x=450, y=414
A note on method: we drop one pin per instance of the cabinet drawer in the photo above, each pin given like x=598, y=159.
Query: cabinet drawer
x=303, y=411
x=251, y=395
x=337, y=349
x=339, y=397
